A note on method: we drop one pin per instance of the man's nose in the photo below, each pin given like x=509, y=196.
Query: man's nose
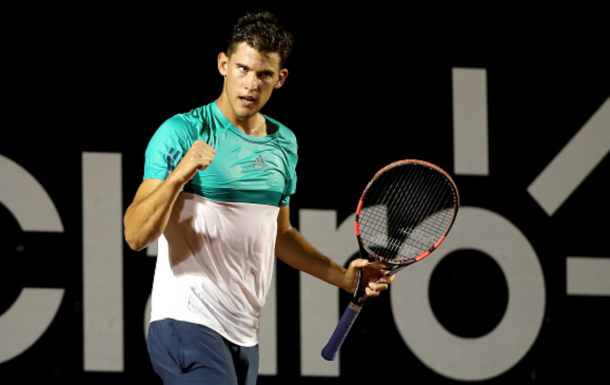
x=252, y=82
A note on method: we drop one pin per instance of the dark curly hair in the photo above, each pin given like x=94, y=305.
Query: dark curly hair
x=262, y=32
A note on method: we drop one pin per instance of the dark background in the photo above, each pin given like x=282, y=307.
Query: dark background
x=367, y=86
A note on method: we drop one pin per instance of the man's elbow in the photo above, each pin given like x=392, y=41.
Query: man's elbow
x=281, y=232
x=135, y=243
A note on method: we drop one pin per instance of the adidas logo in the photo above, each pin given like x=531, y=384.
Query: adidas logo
x=259, y=162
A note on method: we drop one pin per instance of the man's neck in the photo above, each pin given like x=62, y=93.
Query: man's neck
x=255, y=125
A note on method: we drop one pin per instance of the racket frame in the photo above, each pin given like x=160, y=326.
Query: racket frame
x=350, y=314
x=364, y=250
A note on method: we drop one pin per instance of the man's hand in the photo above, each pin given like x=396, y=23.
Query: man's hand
x=374, y=279
x=198, y=157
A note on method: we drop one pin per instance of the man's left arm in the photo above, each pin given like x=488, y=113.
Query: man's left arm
x=292, y=248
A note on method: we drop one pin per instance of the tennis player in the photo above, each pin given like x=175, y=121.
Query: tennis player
x=215, y=193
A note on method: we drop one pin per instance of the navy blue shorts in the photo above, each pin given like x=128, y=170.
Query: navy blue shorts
x=187, y=353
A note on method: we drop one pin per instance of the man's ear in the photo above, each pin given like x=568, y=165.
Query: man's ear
x=223, y=63
x=281, y=78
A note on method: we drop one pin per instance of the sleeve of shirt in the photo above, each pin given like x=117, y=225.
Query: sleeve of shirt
x=291, y=184
x=166, y=148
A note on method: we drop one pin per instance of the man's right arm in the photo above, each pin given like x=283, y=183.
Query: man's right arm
x=147, y=216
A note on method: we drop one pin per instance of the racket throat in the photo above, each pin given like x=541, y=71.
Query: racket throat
x=360, y=293
x=396, y=269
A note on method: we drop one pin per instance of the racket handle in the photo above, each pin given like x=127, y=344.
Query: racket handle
x=331, y=349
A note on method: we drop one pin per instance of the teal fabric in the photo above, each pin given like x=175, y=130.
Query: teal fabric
x=245, y=168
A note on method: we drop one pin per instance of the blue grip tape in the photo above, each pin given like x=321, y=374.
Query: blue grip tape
x=331, y=349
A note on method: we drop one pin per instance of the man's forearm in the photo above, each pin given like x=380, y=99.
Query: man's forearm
x=146, y=218
x=296, y=251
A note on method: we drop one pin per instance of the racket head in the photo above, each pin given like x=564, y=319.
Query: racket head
x=406, y=211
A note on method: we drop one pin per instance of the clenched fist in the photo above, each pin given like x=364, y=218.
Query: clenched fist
x=198, y=157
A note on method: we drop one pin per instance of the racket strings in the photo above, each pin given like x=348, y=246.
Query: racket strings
x=406, y=214
x=374, y=220
x=408, y=209
x=443, y=212
x=433, y=220
x=418, y=238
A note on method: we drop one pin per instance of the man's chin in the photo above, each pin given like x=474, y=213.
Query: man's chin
x=245, y=114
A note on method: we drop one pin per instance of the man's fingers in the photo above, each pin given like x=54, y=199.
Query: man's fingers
x=374, y=289
x=201, y=146
x=382, y=265
x=360, y=262
x=374, y=278
x=203, y=154
x=376, y=286
x=198, y=157
x=386, y=279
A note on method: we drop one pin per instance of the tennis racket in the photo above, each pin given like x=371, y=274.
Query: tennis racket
x=404, y=214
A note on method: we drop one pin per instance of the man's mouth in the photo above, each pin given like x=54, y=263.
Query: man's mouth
x=247, y=100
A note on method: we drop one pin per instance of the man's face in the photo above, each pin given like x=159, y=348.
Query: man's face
x=250, y=77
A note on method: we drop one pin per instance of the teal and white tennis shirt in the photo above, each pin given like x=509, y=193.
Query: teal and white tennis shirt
x=216, y=256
